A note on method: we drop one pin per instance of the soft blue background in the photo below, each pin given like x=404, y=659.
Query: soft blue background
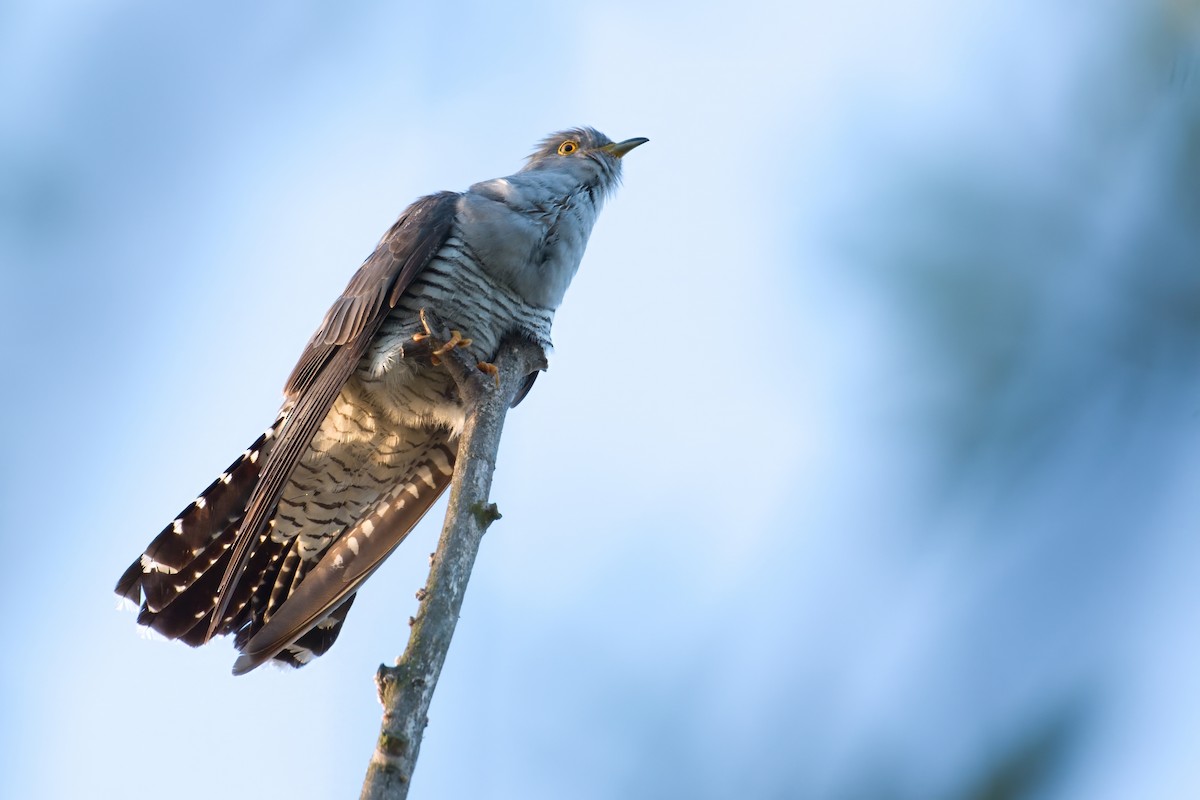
x=867, y=466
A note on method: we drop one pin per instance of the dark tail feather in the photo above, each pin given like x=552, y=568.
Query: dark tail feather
x=239, y=611
x=170, y=581
x=317, y=641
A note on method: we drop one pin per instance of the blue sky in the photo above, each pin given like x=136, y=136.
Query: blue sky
x=867, y=454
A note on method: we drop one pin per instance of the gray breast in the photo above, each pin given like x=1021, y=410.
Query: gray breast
x=466, y=298
x=528, y=232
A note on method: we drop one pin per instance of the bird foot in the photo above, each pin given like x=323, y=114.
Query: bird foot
x=490, y=369
x=456, y=340
x=448, y=350
x=449, y=342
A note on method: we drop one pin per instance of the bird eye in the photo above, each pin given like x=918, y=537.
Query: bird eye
x=567, y=147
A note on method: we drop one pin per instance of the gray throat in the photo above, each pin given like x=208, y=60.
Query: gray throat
x=529, y=231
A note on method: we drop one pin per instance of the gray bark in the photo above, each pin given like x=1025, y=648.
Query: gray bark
x=406, y=689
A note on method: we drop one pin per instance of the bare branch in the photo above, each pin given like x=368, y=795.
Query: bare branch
x=406, y=689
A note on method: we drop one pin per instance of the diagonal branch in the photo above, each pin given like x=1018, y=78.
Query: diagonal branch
x=406, y=689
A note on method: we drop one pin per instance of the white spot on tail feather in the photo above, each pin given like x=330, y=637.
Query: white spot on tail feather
x=438, y=457
x=200, y=502
x=352, y=543
x=177, y=526
x=150, y=565
x=302, y=654
x=426, y=474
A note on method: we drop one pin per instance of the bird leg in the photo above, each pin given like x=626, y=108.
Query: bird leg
x=435, y=331
x=449, y=351
x=455, y=339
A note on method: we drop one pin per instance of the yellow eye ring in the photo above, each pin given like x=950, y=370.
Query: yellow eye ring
x=568, y=147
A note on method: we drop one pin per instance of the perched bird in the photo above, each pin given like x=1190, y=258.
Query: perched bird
x=275, y=548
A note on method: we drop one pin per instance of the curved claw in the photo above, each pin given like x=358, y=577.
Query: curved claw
x=456, y=340
x=490, y=369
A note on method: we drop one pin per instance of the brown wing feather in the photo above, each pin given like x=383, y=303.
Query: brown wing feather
x=331, y=357
x=401, y=254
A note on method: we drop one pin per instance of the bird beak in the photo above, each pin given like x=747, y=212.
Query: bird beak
x=619, y=149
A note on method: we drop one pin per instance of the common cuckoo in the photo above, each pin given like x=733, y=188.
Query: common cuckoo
x=275, y=548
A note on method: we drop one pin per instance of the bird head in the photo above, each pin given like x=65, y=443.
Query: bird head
x=586, y=153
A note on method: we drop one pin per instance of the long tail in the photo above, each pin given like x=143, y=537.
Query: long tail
x=284, y=608
x=173, y=582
